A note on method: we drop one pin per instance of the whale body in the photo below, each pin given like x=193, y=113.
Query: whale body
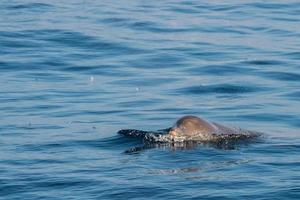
x=192, y=128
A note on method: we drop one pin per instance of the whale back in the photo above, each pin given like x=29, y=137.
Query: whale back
x=191, y=126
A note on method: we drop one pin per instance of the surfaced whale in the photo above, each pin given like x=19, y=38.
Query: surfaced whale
x=192, y=128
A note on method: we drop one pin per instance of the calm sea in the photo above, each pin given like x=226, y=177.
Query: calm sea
x=73, y=73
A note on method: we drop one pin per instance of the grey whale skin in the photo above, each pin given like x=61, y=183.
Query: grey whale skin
x=192, y=128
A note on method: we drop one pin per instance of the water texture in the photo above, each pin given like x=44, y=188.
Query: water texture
x=73, y=73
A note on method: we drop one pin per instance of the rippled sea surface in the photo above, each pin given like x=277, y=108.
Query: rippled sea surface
x=73, y=73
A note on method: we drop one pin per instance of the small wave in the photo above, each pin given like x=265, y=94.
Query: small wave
x=293, y=95
x=271, y=5
x=264, y=62
x=293, y=55
x=222, y=70
x=284, y=76
x=218, y=89
x=30, y=6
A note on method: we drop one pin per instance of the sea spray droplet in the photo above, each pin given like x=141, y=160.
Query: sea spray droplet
x=92, y=79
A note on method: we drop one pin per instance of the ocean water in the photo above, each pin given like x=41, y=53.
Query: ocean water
x=73, y=73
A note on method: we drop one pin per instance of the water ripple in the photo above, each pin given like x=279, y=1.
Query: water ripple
x=218, y=89
x=72, y=75
x=30, y=6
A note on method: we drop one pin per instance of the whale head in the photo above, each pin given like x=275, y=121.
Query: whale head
x=190, y=127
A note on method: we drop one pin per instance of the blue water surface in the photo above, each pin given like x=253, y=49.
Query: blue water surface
x=73, y=73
